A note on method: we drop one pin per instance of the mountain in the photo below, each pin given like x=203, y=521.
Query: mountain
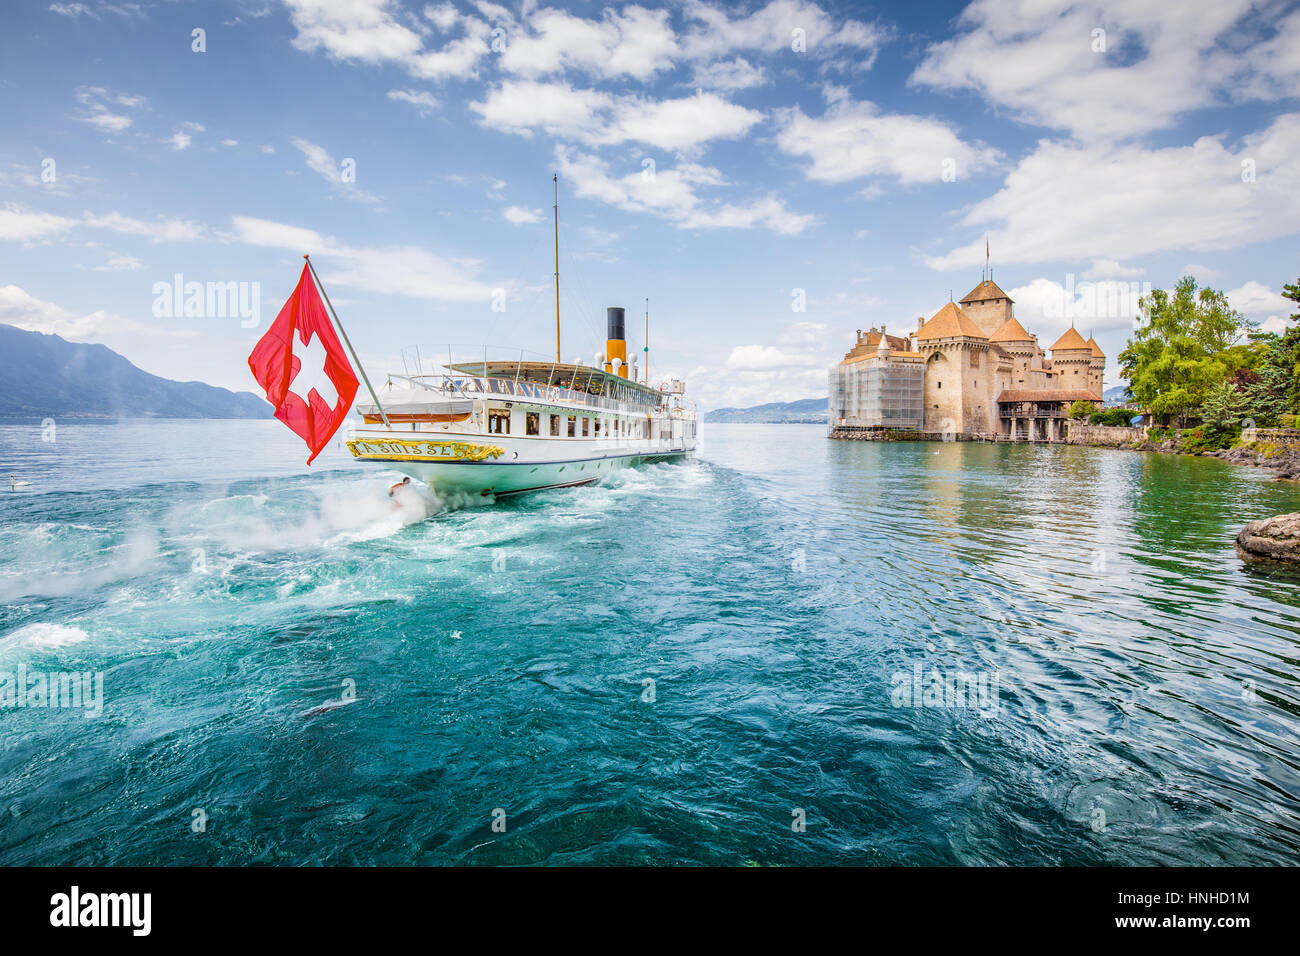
x=1115, y=395
x=47, y=376
x=804, y=411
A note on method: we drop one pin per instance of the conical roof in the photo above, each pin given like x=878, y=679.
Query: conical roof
x=1096, y=349
x=1071, y=341
x=988, y=289
x=950, y=322
x=1011, y=331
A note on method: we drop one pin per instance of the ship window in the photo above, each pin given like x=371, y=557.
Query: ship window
x=597, y=427
x=499, y=423
x=533, y=423
x=586, y=424
x=573, y=426
x=555, y=424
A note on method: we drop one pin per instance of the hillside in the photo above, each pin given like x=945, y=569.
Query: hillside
x=804, y=411
x=47, y=376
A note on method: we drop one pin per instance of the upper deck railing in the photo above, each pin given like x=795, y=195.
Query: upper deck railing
x=474, y=387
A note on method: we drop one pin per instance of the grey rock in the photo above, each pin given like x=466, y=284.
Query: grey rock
x=1274, y=539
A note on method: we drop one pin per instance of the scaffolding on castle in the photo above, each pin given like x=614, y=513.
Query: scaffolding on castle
x=877, y=395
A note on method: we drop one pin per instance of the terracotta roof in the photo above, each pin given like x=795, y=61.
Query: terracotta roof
x=988, y=289
x=1096, y=349
x=1071, y=341
x=867, y=345
x=1011, y=331
x=1048, y=395
x=950, y=322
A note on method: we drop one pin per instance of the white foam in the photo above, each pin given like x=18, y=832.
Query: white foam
x=42, y=637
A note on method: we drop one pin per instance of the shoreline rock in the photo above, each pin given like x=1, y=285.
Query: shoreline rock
x=1273, y=540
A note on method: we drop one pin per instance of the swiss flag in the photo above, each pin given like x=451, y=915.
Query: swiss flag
x=303, y=369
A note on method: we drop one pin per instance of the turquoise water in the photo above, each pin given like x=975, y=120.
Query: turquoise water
x=327, y=678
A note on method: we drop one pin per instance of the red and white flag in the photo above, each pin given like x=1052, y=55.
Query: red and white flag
x=303, y=369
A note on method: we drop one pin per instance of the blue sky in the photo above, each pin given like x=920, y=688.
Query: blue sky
x=732, y=163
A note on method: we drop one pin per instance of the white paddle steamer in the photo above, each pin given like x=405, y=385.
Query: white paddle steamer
x=505, y=427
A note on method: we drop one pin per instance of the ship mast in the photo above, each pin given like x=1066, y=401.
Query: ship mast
x=555, y=179
x=646, y=348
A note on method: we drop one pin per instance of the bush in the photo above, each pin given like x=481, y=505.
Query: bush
x=1199, y=439
x=1114, y=417
x=1286, y=421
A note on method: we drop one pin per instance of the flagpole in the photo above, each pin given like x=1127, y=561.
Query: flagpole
x=339, y=325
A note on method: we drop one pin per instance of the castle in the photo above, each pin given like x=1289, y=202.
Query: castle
x=970, y=370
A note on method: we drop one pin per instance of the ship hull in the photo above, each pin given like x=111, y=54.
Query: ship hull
x=481, y=465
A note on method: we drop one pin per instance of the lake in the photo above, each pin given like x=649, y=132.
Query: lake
x=788, y=651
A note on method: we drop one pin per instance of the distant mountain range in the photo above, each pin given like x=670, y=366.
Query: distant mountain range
x=47, y=376
x=804, y=411
x=1115, y=395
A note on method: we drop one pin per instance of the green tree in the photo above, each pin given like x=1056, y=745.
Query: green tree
x=1224, y=408
x=1081, y=409
x=1177, y=355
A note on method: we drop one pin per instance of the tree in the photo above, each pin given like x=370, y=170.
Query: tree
x=1180, y=350
x=1224, y=408
x=1081, y=409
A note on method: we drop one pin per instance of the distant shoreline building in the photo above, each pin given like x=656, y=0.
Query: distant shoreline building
x=971, y=370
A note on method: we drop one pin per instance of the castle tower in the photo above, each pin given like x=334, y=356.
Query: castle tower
x=960, y=373
x=987, y=306
x=1072, y=362
x=1097, y=369
x=1021, y=346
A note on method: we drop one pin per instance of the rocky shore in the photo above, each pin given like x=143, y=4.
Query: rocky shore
x=1271, y=541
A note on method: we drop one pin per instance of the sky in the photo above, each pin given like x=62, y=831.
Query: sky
x=771, y=176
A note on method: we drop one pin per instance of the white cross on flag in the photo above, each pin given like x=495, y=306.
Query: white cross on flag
x=303, y=369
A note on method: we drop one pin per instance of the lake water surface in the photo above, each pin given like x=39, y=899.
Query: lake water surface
x=789, y=651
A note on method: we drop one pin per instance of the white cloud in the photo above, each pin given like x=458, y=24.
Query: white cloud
x=23, y=310
x=424, y=102
x=737, y=74
x=1069, y=201
x=230, y=142
x=391, y=270
x=380, y=31
x=636, y=43
x=73, y=10
x=1161, y=60
x=1261, y=305
x=854, y=140
x=671, y=194
x=324, y=165
x=596, y=118
x=20, y=225
x=182, y=138
x=519, y=215
x=158, y=230
x=1201, y=274
x=770, y=29
x=99, y=105
x=628, y=43
x=1110, y=269
x=121, y=264
x=1047, y=308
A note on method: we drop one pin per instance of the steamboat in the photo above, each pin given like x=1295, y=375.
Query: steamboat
x=507, y=427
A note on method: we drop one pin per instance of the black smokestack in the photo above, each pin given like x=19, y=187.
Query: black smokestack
x=614, y=323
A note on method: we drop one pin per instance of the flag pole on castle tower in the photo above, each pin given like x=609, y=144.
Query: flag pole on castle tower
x=987, y=273
x=339, y=325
